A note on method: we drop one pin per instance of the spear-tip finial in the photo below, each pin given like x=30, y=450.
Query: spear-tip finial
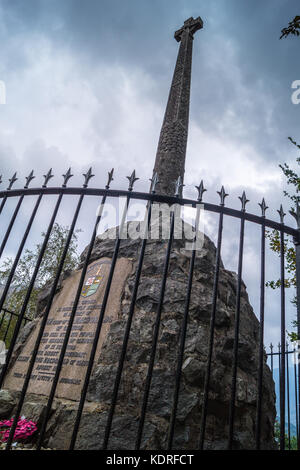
x=47, y=177
x=29, y=178
x=110, y=178
x=222, y=195
x=282, y=214
x=263, y=207
x=66, y=177
x=243, y=200
x=154, y=181
x=296, y=214
x=201, y=190
x=12, y=180
x=87, y=177
x=132, y=179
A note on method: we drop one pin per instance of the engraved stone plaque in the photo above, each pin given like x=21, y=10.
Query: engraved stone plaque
x=82, y=334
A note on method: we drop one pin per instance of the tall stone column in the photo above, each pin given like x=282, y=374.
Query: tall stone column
x=171, y=151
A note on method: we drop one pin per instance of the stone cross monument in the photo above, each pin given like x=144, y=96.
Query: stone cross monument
x=143, y=331
x=170, y=156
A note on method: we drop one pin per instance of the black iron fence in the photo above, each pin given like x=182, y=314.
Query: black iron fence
x=8, y=320
x=18, y=196
x=291, y=418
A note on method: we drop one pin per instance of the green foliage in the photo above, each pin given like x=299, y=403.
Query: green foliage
x=293, y=28
x=292, y=445
x=290, y=259
x=7, y=328
x=293, y=180
x=46, y=273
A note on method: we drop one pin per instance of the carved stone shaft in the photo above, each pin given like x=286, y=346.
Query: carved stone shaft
x=171, y=151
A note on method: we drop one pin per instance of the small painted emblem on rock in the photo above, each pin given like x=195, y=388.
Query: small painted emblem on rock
x=92, y=283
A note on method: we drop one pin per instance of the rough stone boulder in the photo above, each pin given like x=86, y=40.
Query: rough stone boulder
x=126, y=418
x=195, y=355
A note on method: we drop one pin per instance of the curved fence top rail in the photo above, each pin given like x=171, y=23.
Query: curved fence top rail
x=221, y=208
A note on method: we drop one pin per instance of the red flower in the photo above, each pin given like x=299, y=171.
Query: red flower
x=25, y=428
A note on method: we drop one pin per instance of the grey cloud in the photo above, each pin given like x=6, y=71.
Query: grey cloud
x=240, y=87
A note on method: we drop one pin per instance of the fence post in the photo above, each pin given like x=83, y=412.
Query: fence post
x=296, y=215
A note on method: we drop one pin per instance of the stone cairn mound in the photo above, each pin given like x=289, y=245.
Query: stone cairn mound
x=126, y=418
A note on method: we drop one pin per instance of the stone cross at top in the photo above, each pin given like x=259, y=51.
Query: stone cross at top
x=171, y=150
x=191, y=25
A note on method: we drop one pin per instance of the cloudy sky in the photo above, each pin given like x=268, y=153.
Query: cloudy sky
x=87, y=84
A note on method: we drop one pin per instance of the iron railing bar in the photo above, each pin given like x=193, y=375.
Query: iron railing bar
x=297, y=252
x=7, y=329
x=14, y=313
x=3, y=203
x=236, y=336
x=296, y=392
x=261, y=341
x=279, y=361
x=126, y=336
x=271, y=354
x=2, y=320
x=298, y=379
x=247, y=216
x=155, y=337
x=282, y=326
x=279, y=371
x=183, y=331
x=22, y=315
x=288, y=399
x=49, y=304
x=276, y=354
x=11, y=223
x=211, y=334
x=8, y=282
x=99, y=323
